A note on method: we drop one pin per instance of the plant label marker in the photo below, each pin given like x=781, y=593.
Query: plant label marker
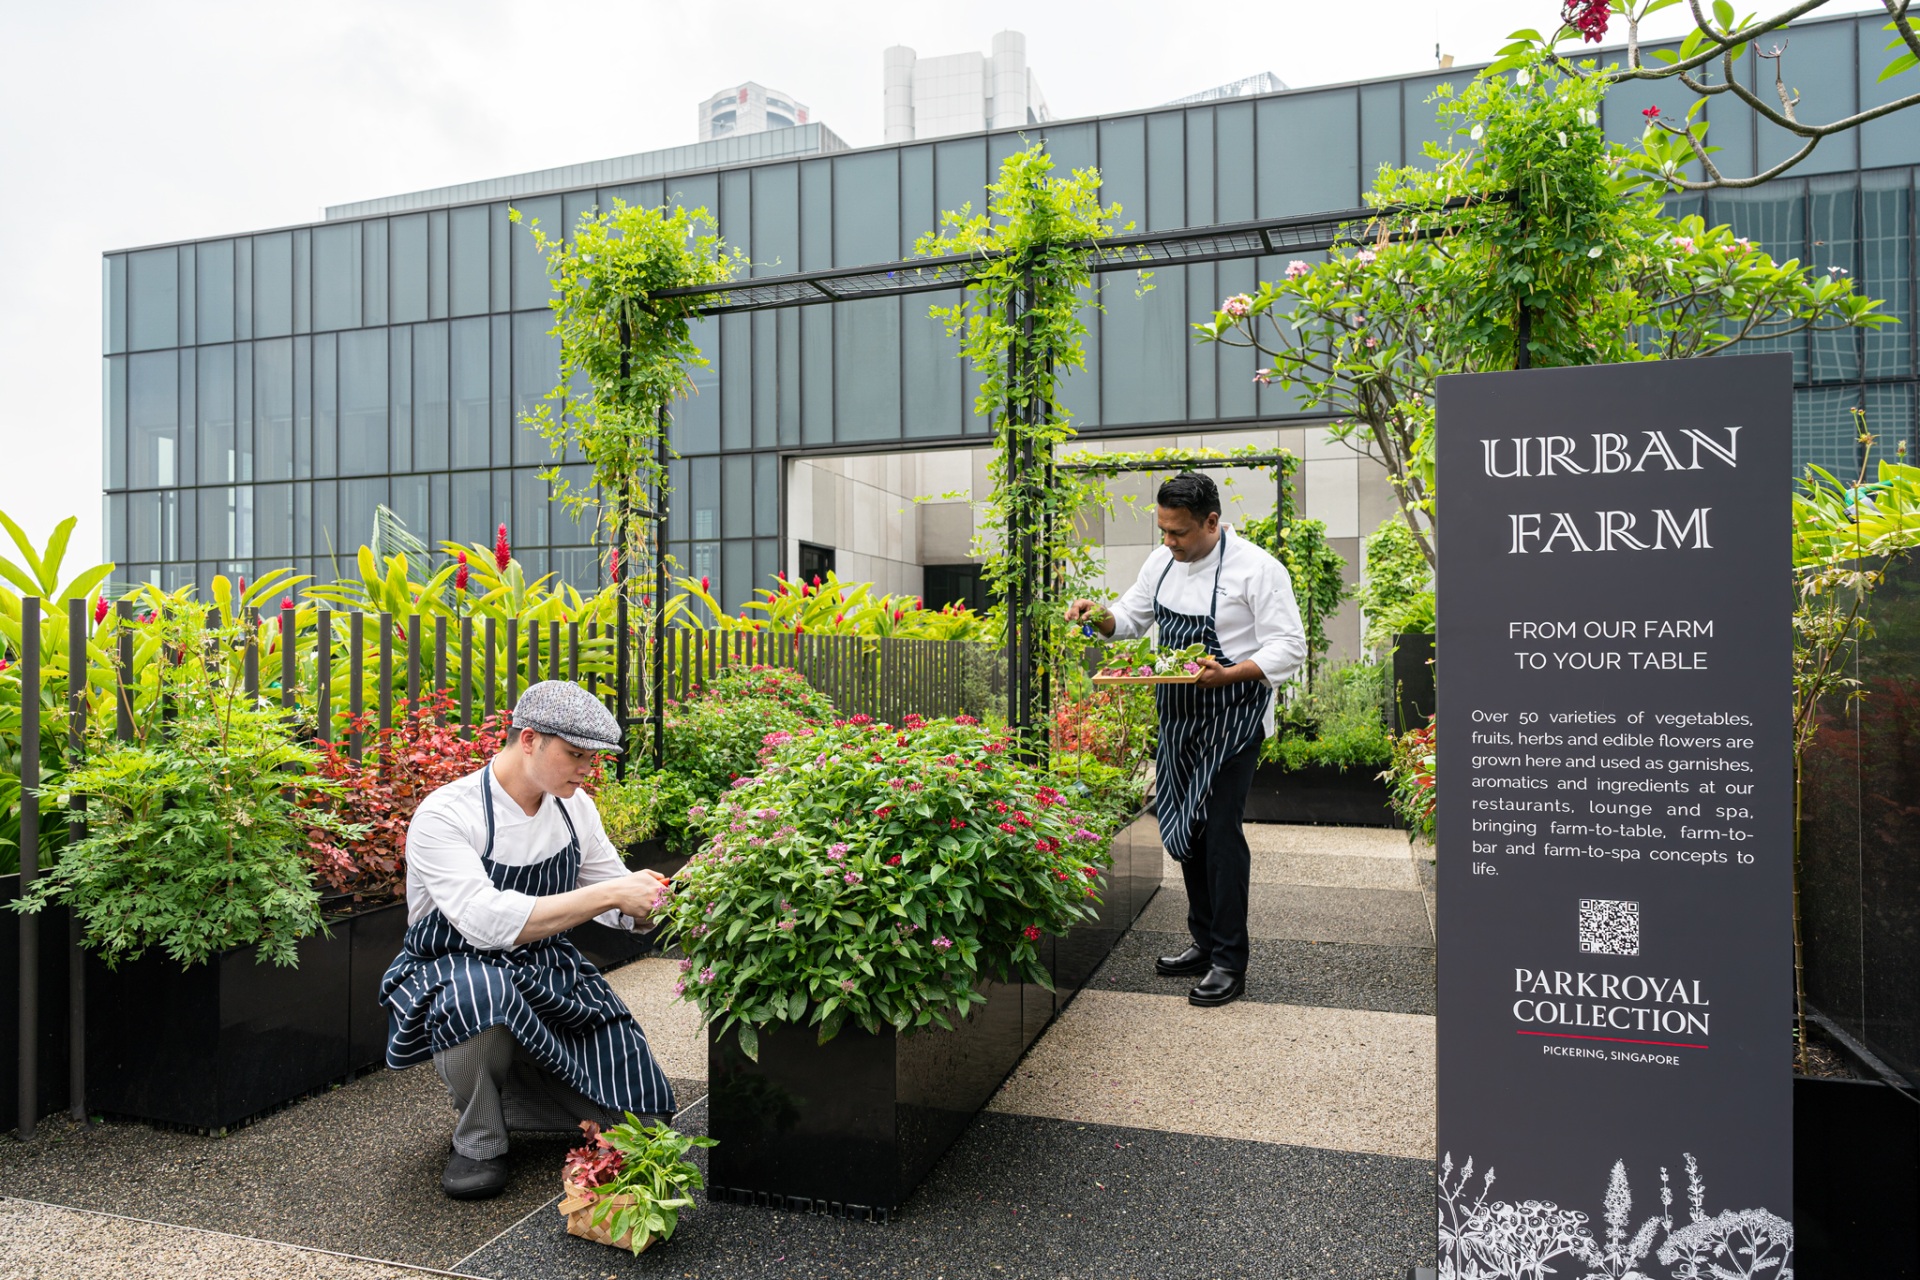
x=1615, y=824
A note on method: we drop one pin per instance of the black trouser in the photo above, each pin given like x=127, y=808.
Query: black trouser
x=1219, y=866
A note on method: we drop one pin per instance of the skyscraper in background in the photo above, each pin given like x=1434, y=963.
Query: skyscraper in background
x=749, y=108
x=962, y=92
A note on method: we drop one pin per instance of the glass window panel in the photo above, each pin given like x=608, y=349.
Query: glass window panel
x=467, y=261
x=409, y=501
x=1202, y=377
x=1200, y=167
x=776, y=219
x=226, y=523
x=430, y=397
x=536, y=370
x=408, y=272
x=1819, y=67
x=816, y=215
x=1309, y=159
x=679, y=500
x=766, y=496
x=358, y=498
x=576, y=205
x=1236, y=364
x=373, y=260
x=1379, y=130
x=273, y=409
x=1886, y=270
x=303, y=520
x=766, y=562
x=1143, y=352
x=766, y=379
x=363, y=402
x=435, y=530
x=113, y=538
x=1832, y=204
x=1891, y=139
x=704, y=493
x=787, y=330
x=302, y=409
x=273, y=285
x=1079, y=388
x=640, y=195
x=1123, y=168
x=243, y=411
x=1774, y=218
x=501, y=371
x=500, y=245
x=866, y=203
x=183, y=524
x=303, y=281
x=578, y=567
x=153, y=299
x=1420, y=119
x=1166, y=172
x=436, y=265
x=113, y=427
x=472, y=507
x=326, y=407
x=567, y=528
x=400, y=399
x=530, y=285
x=273, y=521
x=736, y=210
x=214, y=384
x=933, y=393
x=143, y=526
x=735, y=361
x=243, y=288
x=336, y=278
x=816, y=375
x=917, y=214
x=1072, y=146
x=701, y=191
x=696, y=418
x=1000, y=146
x=1824, y=431
x=1233, y=161
x=530, y=496
x=472, y=402
x=187, y=453
x=184, y=294
x=736, y=495
x=960, y=174
x=1890, y=417
x=736, y=572
x=328, y=547
x=114, y=304
x=866, y=365
x=153, y=427
x=213, y=291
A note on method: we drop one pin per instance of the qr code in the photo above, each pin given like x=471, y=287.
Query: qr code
x=1609, y=928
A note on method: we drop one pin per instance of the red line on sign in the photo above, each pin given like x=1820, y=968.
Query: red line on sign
x=1567, y=1035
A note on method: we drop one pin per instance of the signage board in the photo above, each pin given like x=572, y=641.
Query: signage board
x=1615, y=822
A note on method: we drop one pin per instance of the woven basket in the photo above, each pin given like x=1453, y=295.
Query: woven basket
x=578, y=1205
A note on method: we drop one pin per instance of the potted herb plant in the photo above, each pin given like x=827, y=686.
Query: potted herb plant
x=626, y=1186
x=1323, y=763
x=869, y=926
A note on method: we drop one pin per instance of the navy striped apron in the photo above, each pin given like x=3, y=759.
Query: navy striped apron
x=1200, y=729
x=441, y=990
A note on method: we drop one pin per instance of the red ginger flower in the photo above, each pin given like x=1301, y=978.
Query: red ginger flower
x=463, y=573
x=243, y=584
x=705, y=584
x=100, y=608
x=502, y=550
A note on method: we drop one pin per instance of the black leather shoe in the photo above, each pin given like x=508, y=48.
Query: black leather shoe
x=1218, y=987
x=1192, y=960
x=467, y=1179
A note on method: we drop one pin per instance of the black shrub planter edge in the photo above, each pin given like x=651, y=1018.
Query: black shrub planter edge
x=1320, y=795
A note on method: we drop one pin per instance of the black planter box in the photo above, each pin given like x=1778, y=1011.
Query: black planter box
x=1856, y=1179
x=217, y=1044
x=1320, y=795
x=1413, y=682
x=51, y=1062
x=853, y=1125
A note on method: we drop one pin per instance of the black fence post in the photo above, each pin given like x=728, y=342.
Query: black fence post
x=323, y=674
x=289, y=664
x=357, y=693
x=29, y=1079
x=79, y=667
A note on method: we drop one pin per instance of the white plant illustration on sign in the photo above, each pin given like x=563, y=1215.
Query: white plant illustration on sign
x=1486, y=1239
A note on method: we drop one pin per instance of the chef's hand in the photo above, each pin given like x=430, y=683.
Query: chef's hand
x=640, y=894
x=1090, y=612
x=1215, y=676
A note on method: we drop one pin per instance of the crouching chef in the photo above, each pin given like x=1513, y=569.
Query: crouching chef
x=500, y=864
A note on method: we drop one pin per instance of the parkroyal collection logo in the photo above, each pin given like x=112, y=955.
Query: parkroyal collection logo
x=1624, y=1008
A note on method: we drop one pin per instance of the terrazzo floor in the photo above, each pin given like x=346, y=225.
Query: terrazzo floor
x=1287, y=1135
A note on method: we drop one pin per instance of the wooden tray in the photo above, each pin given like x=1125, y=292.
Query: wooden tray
x=1104, y=681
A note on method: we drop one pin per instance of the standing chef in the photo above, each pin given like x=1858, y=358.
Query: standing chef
x=500, y=864
x=1205, y=586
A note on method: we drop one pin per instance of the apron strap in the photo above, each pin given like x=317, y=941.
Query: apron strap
x=486, y=795
x=1213, y=602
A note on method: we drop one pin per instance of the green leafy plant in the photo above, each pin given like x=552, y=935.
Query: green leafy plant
x=634, y=810
x=1395, y=595
x=879, y=874
x=1411, y=777
x=1145, y=657
x=1339, y=722
x=635, y=1179
x=196, y=838
x=1319, y=574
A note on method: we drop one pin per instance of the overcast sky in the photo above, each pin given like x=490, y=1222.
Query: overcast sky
x=134, y=123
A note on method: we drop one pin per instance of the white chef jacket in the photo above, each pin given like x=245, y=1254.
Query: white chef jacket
x=1256, y=616
x=444, y=870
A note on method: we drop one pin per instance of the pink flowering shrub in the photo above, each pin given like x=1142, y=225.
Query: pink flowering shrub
x=880, y=873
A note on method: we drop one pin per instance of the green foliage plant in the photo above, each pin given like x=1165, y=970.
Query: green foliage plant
x=1319, y=574
x=1540, y=240
x=196, y=841
x=1396, y=591
x=829, y=606
x=1339, y=722
x=1413, y=794
x=636, y=1179
x=879, y=874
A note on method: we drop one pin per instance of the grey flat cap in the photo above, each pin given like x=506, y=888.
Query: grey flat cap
x=565, y=710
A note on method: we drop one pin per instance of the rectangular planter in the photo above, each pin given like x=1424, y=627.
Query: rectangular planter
x=1856, y=1179
x=853, y=1125
x=1413, y=681
x=51, y=1063
x=1320, y=795
x=214, y=1045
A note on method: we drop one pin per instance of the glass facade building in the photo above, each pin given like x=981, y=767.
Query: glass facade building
x=264, y=392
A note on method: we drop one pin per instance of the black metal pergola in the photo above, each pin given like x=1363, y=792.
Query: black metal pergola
x=1027, y=692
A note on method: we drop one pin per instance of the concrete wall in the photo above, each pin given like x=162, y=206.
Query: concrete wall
x=865, y=508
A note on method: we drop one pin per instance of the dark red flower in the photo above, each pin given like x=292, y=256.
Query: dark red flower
x=1032, y=932
x=462, y=574
x=1588, y=17
x=894, y=861
x=1651, y=113
x=705, y=584
x=100, y=608
x=243, y=584
x=502, y=550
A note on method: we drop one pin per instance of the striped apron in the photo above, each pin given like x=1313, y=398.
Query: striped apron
x=441, y=990
x=1200, y=729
